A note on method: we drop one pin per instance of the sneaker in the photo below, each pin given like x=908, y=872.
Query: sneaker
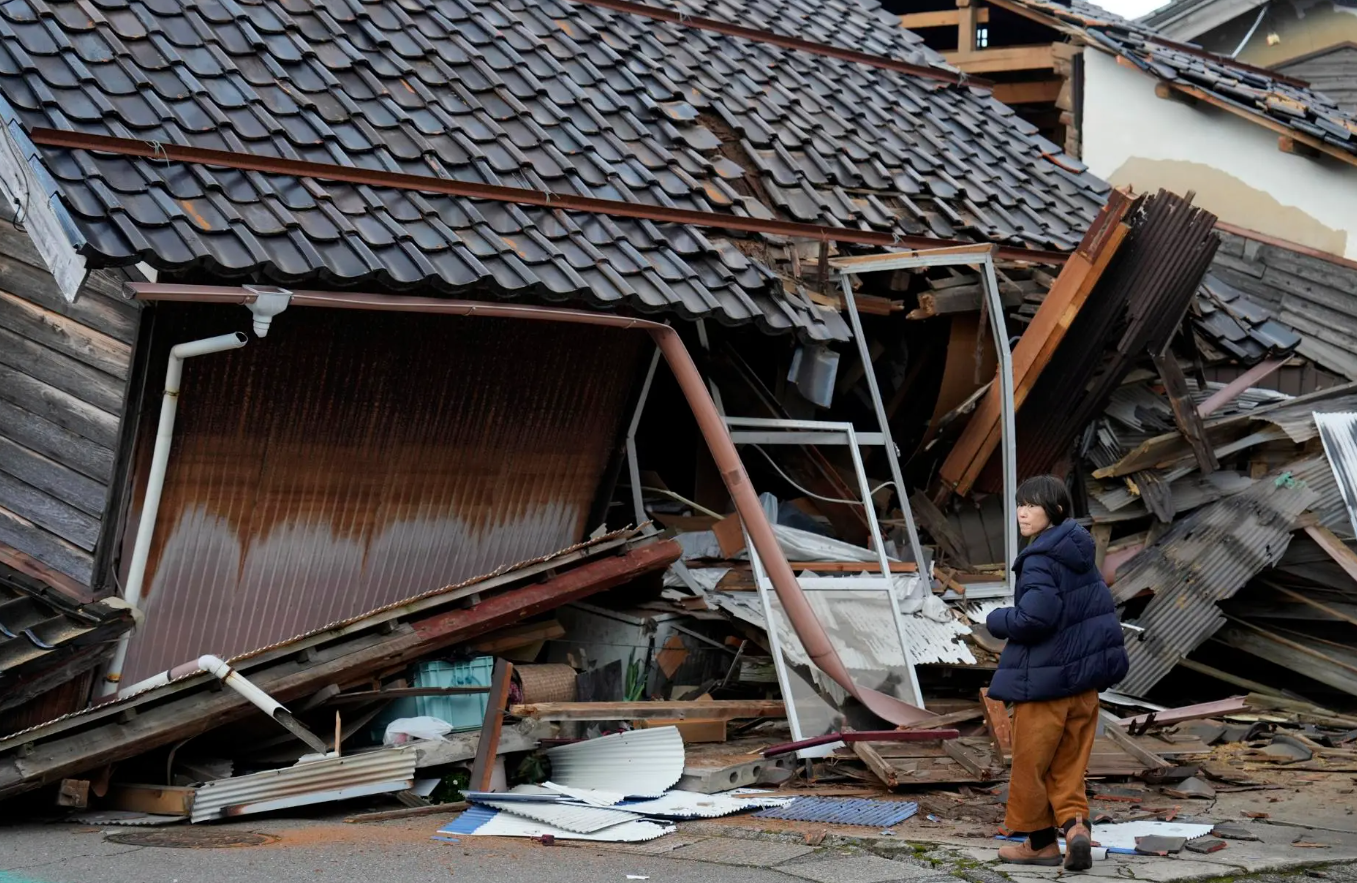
x=1024, y=854
x=1078, y=846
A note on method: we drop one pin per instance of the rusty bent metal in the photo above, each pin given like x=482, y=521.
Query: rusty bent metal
x=808, y=628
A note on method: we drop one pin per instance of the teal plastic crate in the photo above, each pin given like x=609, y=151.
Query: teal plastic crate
x=462, y=712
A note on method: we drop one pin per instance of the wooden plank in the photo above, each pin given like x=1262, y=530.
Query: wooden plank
x=971, y=764
x=1123, y=741
x=1335, y=549
x=487, y=749
x=718, y=709
x=61, y=408
x=50, y=550
x=964, y=299
x=52, y=478
x=947, y=720
x=157, y=800
x=1000, y=726
x=42, y=436
x=1031, y=92
x=1185, y=414
x=64, y=335
x=519, y=636
x=407, y=812
x=98, y=305
x=937, y=525
x=1170, y=716
x=48, y=512
x=1102, y=537
x=62, y=372
x=882, y=770
x=1038, y=343
x=1006, y=58
x=940, y=18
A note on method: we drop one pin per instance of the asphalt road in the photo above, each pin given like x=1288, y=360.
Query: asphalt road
x=320, y=852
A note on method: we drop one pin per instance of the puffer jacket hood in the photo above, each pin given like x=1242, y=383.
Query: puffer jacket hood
x=1067, y=543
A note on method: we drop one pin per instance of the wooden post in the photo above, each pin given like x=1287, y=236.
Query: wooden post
x=488, y=746
x=1185, y=410
x=339, y=733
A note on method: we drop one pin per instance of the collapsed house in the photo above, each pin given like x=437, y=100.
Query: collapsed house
x=436, y=433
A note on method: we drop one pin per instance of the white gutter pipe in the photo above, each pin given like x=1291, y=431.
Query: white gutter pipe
x=155, y=483
x=222, y=670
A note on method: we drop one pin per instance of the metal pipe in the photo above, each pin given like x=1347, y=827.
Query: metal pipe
x=155, y=482
x=713, y=429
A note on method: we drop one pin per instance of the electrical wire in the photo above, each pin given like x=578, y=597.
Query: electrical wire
x=787, y=478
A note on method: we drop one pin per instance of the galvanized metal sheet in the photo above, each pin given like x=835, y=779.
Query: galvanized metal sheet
x=692, y=805
x=843, y=811
x=483, y=821
x=1339, y=433
x=1206, y=558
x=371, y=458
x=373, y=772
x=641, y=763
x=570, y=816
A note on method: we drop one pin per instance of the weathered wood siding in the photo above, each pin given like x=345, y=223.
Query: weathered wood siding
x=1312, y=295
x=64, y=370
x=1334, y=73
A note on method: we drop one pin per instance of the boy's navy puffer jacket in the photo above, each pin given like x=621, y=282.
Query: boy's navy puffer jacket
x=1063, y=633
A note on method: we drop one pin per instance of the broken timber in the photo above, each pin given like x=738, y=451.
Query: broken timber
x=184, y=709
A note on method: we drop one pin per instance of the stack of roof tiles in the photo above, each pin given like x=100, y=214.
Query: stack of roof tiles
x=558, y=96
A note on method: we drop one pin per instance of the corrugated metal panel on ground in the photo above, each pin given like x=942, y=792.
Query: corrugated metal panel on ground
x=486, y=822
x=692, y=805
x=640, y=763
x=1339, y=432
x=843, y=811
x=1205, y=558
x=307, y=782
x=571, y=817
x=351, y=460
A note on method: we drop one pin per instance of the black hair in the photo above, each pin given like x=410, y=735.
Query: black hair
x=1049, y=493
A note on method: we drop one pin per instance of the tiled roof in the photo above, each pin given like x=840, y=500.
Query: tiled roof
x=556, y=96
x=1272, y=98
x=1238, y=325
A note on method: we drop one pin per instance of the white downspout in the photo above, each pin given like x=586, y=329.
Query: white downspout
x=155, y=483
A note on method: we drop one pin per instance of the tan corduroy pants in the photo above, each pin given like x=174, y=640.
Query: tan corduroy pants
x=1052, y=741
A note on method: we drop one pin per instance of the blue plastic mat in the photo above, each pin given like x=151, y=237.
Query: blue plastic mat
x=843, y=811
x=470, y=820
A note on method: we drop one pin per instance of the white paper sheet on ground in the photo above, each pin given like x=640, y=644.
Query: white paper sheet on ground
x=506, y=825
x=1123, y=835
x=589, y=796
x=692, y=805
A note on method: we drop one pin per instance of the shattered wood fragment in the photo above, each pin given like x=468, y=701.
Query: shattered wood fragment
x=1000, y=725
x=74, y=793
x=155, y=800
x=1131, y=747
x=1185, y=411
x=931, y=519
x=407, y=812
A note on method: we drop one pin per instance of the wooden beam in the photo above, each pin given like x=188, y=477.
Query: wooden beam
x=519, y=636
x=1126, y=743
x=1335, y=548
x=1032, y=92
x=1000, y=726
x=962, y=299
x=1006, y=58
x=1168, y=93
x=1267, y=122
x=876, y=763
x=1038, y=343
x=940, y=19
x=957, y=752
x=1288, y=144
x=1185, y=411
x=709, y=709
x=947, y=720
x=965, y=34
x=487, y=749
x=156, y=800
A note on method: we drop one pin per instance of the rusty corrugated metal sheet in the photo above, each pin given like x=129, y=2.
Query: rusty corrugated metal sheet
x=350, y=460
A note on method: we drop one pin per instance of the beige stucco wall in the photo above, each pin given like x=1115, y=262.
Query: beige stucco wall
x=1132, y=137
